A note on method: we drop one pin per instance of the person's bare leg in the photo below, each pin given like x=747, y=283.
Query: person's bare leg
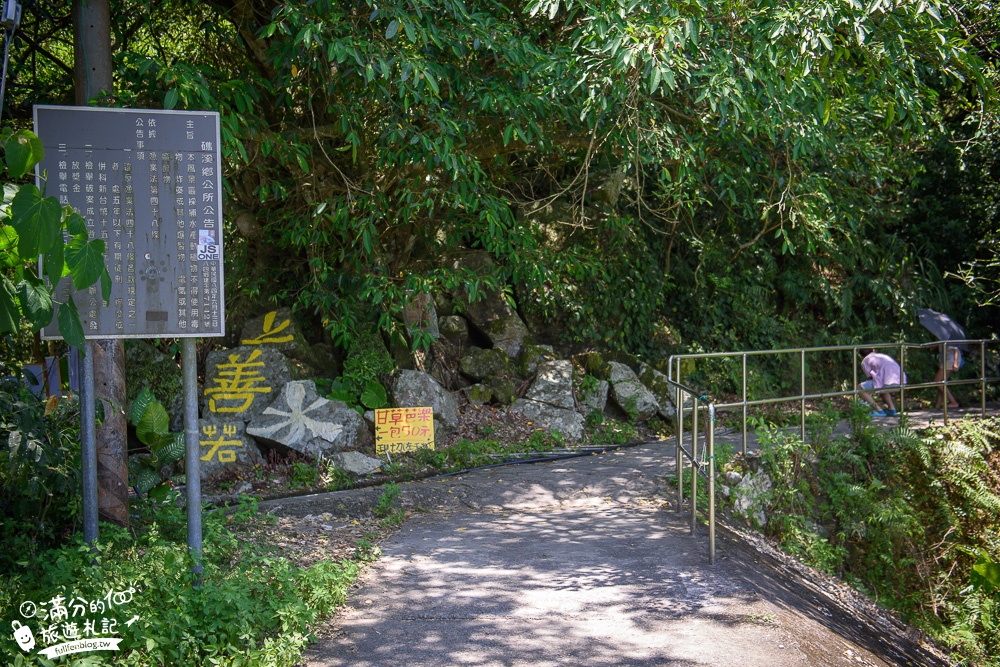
x=952, y=403
x=887, y=397
x=867, y=398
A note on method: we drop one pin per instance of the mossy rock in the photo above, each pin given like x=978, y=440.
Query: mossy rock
x=592, y=363
x=503, y=390
x=482, y=364
x=533, y=356
x=478, y=394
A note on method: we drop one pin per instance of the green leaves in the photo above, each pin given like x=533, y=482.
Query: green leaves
x=152, y=428
x=154, y=424
x=37, y=221
x=35, y=301
x=23, y=151
x=85, y=260
x=374, y=396
x=33, y=227
x=8, y=306
x=69, y=324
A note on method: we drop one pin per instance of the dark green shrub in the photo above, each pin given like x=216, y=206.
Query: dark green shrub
x=39, y=472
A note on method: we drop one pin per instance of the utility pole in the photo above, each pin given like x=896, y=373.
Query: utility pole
x=106, y=357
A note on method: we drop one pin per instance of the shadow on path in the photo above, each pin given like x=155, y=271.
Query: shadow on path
x=584, y=562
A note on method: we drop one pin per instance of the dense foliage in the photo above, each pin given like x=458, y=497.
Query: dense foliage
x=39, y=472
x=740, y=168
x=33, y=226
x=255, y=607
x=912, y=518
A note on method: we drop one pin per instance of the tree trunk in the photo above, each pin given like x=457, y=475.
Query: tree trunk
x=93, y=72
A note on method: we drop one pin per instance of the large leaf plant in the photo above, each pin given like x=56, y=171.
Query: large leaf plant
x=38, y=235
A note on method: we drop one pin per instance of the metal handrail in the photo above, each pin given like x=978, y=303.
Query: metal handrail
x=680, y=399
x=675, y=361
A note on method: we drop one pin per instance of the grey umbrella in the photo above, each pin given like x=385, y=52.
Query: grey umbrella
x=942, y=326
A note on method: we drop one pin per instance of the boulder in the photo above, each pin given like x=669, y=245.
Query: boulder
x=660, y=387
x=416, y=389
x=491, y=314
x=419, y=314
x=629, y=394
x=554, y=385
x=481, y=364
x=592, y=363
x=455, y=329
x=478, y=394
x=752, y=495
x=503, y=389
x=146, y=366
x=302, y=420
x=568, y=422
x=593, y=397
x=276, y=329
x=533, y=356
x=549, y=402
x=355, y=463
x=241, y=382
x=225, y=444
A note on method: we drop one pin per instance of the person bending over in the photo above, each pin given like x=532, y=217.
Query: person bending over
x=882, y=372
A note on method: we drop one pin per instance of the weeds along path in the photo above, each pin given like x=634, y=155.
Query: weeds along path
x=582, y=561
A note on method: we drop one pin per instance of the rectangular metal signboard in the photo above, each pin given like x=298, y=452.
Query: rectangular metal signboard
x=149, y=184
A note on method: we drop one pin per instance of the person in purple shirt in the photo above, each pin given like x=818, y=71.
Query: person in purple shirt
x=882, y=372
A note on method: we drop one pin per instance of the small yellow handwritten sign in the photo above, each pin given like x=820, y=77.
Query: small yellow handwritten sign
x=399, y=430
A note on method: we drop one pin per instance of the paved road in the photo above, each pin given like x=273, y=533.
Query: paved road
x=584, y=562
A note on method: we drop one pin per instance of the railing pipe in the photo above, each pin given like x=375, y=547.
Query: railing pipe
x=744, y=399
x=944, y=390
x=679, y=457
x=802, y=392
x=694, y=464
x=711, y=484
x=982, y=375
x=902, y=379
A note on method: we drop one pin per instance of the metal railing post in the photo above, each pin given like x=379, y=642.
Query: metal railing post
x=802, y=393
x=678, y=453
x=694, y=465
x=982, y=376
x=854, y=365
x=711, y=484
x=744, y=398
x=944, y=388
x=902, y=378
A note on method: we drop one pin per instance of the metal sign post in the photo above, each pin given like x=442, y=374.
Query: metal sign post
x=149, y=184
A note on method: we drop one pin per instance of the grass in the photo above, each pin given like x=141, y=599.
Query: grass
x=255, y=608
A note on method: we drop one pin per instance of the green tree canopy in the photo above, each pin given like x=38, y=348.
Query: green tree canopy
x=705, y=155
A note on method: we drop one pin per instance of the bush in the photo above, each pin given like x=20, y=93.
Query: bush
x=910, y=518
x=254, y=608
x=39, y=472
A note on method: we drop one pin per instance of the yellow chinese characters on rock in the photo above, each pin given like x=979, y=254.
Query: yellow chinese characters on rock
x=221, y=449
x=238, y=383
x=271, y=332
x=399, y=430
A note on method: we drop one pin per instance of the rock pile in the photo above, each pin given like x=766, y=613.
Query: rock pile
x=257, y=394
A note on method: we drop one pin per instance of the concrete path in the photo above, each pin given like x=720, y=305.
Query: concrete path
x=584, y=562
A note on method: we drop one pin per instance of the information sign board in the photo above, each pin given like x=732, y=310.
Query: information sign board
x=399, y=430
x=149, y=184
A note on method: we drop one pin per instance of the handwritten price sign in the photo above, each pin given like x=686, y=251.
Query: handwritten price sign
x=399, y=430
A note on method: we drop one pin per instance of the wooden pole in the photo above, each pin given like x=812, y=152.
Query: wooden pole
x=93, y=76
